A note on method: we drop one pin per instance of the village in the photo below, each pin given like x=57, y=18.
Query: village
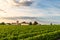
x=18, y=23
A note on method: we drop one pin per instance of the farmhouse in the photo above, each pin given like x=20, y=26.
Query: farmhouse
x=17, y=23
x=24, y=23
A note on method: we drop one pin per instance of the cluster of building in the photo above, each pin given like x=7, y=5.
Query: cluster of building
x=22, y=23
x=17, y=23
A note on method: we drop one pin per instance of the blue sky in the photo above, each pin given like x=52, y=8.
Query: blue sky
x=49, y=10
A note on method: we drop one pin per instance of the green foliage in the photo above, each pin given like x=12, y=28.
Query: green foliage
x=2, y=23
x=29, y=32
x=35, y=23
x=51, y=24
x=30, y=23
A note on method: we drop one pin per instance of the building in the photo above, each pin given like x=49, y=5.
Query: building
x=24, y=23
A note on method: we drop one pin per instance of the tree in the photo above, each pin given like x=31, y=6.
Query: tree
x=30, y=23
x=9, y=23
x=35, y=23
x=2, y=23
x=51, y=24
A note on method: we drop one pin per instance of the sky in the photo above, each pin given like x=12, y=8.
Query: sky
x=47, y=10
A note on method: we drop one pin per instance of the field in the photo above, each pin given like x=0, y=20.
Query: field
x=29, y=32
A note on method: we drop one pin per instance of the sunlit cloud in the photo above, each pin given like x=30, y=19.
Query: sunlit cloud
x=19, y=2
x=49, y=10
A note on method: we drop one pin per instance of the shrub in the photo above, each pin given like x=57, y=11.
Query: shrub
x=35, y=23
x=30, y=23
x=2, y=23
x=51, y=24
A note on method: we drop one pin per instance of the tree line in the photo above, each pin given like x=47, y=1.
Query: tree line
x=30, y=23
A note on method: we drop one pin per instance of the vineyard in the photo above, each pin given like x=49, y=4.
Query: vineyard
x=29, y=32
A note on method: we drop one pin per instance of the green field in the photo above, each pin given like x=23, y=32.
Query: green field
x=29, y=32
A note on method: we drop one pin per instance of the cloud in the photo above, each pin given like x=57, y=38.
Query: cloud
x=39, y=8
x=20, y=2
x=25, y=3
x=21, y=11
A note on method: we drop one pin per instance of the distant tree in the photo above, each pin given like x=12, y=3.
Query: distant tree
x=2, y=23
x=30, y=23
x=9, y=23
x=35, y=23
x=24, y=22
x=17, y=22
x=51, y=24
